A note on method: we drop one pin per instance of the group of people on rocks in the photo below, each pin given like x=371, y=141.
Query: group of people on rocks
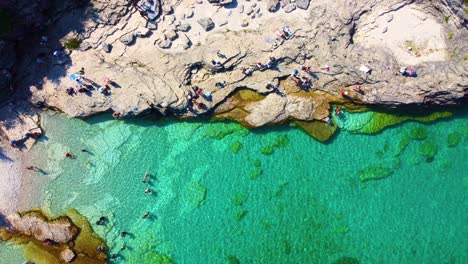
x=303, y=82
x=192, y=98
x=84, y=85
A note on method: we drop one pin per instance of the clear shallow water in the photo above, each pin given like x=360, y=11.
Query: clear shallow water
x=304, y=203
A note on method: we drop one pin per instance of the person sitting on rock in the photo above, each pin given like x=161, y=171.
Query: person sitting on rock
x=287, y=31
x=270, y=62
x=35, y=135
x=247, y=71
x=71, y=91
x=13, y=143
x=83, y=89
x=260, y=66
x=220, y=84
x=306, y=69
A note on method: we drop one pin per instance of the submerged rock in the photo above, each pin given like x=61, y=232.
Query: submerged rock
x=374, y=173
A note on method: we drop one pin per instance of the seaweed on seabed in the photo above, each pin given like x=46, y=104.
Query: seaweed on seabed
x=453, y=139
x=346, y=260
x=428, y=150
x=236, y=147
x=374, y=173
x=232, y=259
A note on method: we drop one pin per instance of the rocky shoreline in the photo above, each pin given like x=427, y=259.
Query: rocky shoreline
x=345, y=46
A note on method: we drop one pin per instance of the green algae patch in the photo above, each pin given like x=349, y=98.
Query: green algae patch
x=255, y=173
x=240, y=198
x=341, y=229
x=281, y=141
x=373, y=122
x=221, y=130
x=196, y=194
x=317, y=129
x=232, y=260
x=240, y=214
x=453, y=139
x=428, y=150
x=374, y=173
x=267, y=150
x=346, y=260
x=418, y=133
x=235, y=147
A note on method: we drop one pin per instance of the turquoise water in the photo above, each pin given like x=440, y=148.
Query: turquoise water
x=303, y=203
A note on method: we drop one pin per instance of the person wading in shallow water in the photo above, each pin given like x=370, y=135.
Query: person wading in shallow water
x=145, y=215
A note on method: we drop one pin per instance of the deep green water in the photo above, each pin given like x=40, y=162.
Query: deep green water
x=303, y=203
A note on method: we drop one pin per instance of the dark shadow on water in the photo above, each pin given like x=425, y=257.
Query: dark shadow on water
x=158, y=120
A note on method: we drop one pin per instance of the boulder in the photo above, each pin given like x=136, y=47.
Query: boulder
x=164, y=43
x=142, y=32
x=106, y=47
x=289, y=8
x=166, y=9
x=272, y=5
x=244, y=23
x=67, y=255
x=241, y=8
x=285, y=3
x=188, y=13
x=184, y=27
x=171, y=34
x=206, y=23
x=186, y=43
x=85, y=46
x=249, y=11
x=127, y=39
x=303, y=4
x=169, y=19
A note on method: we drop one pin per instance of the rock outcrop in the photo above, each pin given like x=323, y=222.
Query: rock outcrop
x=334, y=38
x=65, y=238
x=34, y=224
